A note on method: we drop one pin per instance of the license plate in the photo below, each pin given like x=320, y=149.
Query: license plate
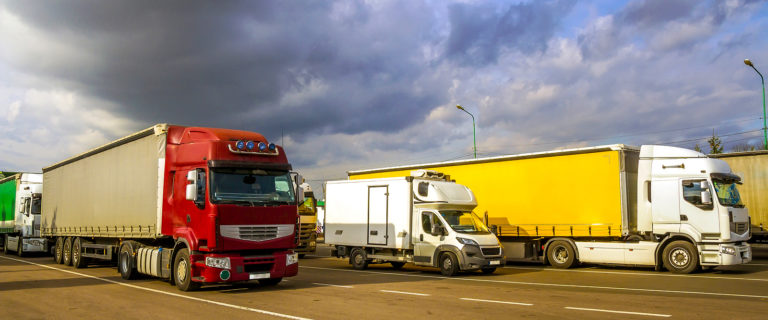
x=495, y=262
x=254, y=276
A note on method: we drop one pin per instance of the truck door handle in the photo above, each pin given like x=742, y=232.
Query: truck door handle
x=374, y=232
x=683, y=217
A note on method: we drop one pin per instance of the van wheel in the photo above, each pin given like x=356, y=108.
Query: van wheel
x=397, y=264
x=561, y=255
x=58, y=251
x=67, y=258
x=680, y=257
x=125, y=262
x=182, y=266
x=449, y=265
x=357, y=259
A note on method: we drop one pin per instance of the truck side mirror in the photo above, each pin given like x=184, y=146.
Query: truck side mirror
x=706, y=197
x=704, y=185
x=297, y=181
x=191, y=191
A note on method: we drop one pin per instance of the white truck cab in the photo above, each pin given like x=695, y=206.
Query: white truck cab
x=423, y=219
x=25, y=235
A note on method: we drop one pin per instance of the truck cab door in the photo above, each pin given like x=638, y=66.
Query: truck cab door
x=693, y=212
x=425, y=242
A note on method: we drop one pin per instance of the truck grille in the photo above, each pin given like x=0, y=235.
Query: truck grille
x=256, y=233
x=491, y=251
x=739, y=228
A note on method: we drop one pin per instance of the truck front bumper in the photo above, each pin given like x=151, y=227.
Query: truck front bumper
x=727, y=254
x=472, y=258
x=244, y=268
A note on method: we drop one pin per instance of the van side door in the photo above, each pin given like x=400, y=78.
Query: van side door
x=425, y=242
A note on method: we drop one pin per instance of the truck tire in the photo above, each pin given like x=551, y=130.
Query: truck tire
x=397, y=264
x=357, y=259
x=125, y=264
x=182, y=268
x=77, y=257
x=20, y=248
x=58, y=251
x=67, y=258
x=680, y=257
x=560, y=254
x=449, y=264
x=270, y=282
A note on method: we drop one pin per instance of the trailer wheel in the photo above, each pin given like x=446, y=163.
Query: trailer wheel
x=77, y=249
x=561, y=255
x=357, y=259
x=449, y=265
x=680, y=257
x=397, y=265
x=58, y=251
x=125, y=262
x=270, y=282
x=182, y=266
x=20, y=248
x=67, y=258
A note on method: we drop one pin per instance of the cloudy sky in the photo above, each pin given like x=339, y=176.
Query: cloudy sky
x=348, y=85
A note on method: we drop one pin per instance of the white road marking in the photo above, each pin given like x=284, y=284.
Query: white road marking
x=639, y=274
x=623, y=312
x=332, y=285
x=550, y=284
x=495, y=301
x=410, y=293
x=163, y=292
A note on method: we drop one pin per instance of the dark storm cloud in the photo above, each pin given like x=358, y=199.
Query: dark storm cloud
x=480, y=31
x=230, y=64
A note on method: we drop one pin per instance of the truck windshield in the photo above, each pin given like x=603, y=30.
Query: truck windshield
x=727, y=193
x=251, y=186
x=308, y=207
x=464, y=221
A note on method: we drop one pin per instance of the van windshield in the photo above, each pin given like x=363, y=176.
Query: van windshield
x=464, y=222
x=251, y=186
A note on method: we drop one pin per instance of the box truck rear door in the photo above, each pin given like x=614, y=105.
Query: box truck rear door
x=378, y=207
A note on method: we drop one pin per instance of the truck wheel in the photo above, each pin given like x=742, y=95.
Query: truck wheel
x=58, y=251
x=449, y=265
x=488, y=270
x=67, y=259
x=680, y=257
x=397, y=265
x=270, y=282
x=357, y=259
x=125, y=262
x=561, y=255
x=182, y=267
x=77, y=253
x=20, y=248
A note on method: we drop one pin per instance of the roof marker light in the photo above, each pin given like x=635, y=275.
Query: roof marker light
x=272, y=147
x=250, y=145
x=262, y=146
x=240, y=144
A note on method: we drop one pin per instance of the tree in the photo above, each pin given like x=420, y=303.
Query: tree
x=697, y=147
x=744, y=147
x=715, y=145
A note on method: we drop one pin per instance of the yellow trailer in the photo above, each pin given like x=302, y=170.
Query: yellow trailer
x=573, y=193
x=752, y=166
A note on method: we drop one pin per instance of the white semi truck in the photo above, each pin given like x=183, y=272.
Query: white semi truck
x=20, y=197
x=421, y=219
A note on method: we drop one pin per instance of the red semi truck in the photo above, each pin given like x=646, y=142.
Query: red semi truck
x=188, y=204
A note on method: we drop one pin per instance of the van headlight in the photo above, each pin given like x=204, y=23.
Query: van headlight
x=291, y=258
x=466, y=241
x=728, y=250
x=221, y=263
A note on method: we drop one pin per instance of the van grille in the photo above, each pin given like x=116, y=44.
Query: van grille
x=491, y=251
x=256, y=233
x=739, y=228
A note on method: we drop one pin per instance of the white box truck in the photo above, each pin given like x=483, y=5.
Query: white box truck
x=421, y=219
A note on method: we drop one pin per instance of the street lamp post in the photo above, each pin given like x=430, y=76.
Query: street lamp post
x=765, y=127
x=474, y=139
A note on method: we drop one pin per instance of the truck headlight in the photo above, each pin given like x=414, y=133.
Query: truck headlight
x=291, y=258
x=467, y=241
x=221, y=263
x=728, y=250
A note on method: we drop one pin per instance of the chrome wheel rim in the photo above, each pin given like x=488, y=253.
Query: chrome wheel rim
x=679, y=257
x=181, y=270
x=447, y=263
x=560, y=254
